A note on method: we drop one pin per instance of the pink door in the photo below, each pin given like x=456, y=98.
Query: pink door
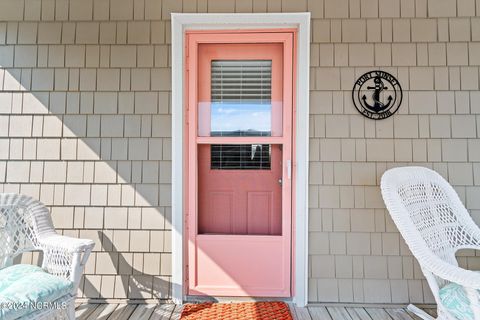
x=239, y=131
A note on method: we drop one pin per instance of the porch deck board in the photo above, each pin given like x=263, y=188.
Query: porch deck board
x=123, y=312
x=319, y=313
x=89, y=311
x=106, y=312
x=102, y=311
x=299, y=313
x=432, y=312
x=143, y=312
x=177, y=311
x=378, y=314
x=83, y=311
x=398, y=314
x=163, y=312
x=116, y=311
x=358, y=314
x=338, y=313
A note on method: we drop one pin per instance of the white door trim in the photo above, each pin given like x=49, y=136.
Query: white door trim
x=186, y=21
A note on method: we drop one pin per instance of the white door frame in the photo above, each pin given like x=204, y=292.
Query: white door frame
x=186, y=21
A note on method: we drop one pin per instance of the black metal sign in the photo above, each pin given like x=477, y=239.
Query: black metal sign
x=377, y=95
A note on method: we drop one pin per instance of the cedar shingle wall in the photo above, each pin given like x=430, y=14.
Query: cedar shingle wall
x=85, y=127
x=356, y=254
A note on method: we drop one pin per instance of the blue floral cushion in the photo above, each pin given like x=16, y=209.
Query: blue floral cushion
x=454, y=298
x=24, y=286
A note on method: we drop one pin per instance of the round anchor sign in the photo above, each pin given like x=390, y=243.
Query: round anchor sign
x=377, y=95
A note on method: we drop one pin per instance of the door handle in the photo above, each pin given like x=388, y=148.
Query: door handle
x=289, y=169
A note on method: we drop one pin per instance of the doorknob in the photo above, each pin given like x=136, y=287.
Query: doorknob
x=280, y=181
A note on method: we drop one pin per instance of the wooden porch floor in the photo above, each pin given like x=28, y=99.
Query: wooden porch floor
x=172, y=312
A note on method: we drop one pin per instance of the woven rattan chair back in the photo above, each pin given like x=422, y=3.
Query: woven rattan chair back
x=435, y=225
x=22, y=220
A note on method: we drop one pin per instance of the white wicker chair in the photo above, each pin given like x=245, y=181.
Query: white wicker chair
x=434, y=223
x=26, y=225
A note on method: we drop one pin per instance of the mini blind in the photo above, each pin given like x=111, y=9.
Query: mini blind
x=241, y=81
x=240, y=156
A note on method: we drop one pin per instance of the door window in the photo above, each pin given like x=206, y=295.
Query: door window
x=240, y=157
x=240, y=101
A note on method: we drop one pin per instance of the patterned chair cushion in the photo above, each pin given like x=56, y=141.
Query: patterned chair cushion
x=25, y=285
x=454, y=298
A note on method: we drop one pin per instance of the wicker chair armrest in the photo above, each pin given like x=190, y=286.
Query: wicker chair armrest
x=65, y=243
x=451, y=273
x=65, y=256
x=474, y=241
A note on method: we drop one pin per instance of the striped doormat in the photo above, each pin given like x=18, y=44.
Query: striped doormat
x=237, y=311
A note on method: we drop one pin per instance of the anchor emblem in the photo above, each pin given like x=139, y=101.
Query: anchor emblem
x=371, y=98
x=377, y=106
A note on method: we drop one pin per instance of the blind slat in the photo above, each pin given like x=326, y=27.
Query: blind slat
x=240, y=157
x=241, y=80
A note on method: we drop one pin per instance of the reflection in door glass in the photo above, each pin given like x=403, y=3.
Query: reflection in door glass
x=237, y=119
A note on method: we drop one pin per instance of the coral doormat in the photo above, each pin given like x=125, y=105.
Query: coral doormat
x=237, y=311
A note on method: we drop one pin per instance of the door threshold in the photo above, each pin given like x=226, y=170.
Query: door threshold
x=199, y=299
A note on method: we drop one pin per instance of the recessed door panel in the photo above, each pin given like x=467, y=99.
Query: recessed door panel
x=220, y=208
x=239, y=163
x=262, y=214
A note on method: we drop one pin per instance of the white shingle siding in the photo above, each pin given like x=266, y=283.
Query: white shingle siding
x=85, y=126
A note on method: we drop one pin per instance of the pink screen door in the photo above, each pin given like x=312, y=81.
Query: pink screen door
x=239, y=131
